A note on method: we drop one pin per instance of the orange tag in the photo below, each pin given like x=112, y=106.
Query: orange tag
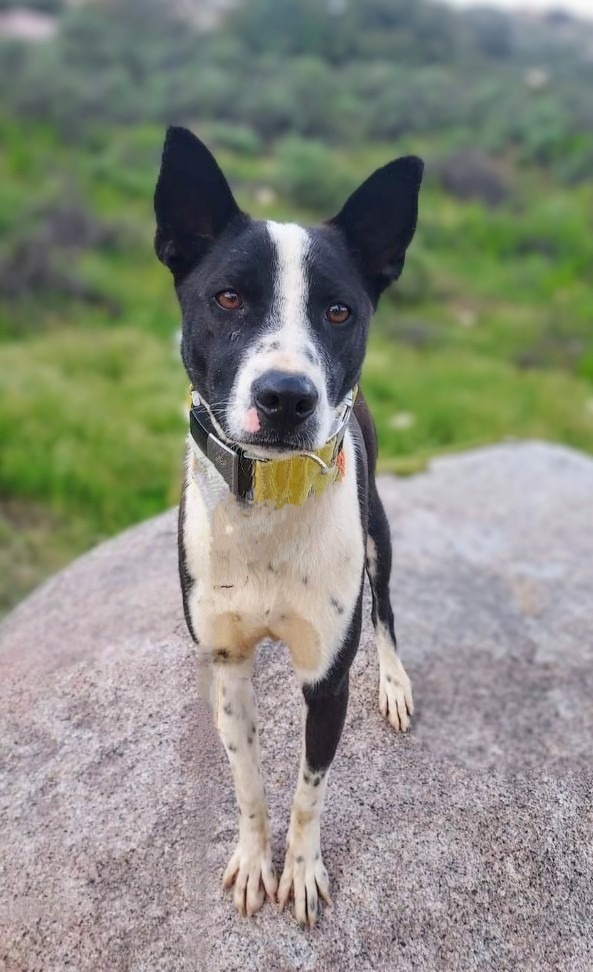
x=341, y=462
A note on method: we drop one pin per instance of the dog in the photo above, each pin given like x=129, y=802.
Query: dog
x=275, y=319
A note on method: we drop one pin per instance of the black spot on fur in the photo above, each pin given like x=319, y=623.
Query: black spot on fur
x=310, y=356
x=274, y=345
x=222, y=655
x=231, y=748
x=338, y=608
x=306, y=778
x=252, y=816
x=388, y=678
x=305, y=580
x=312, y=903
x=300, y=859
x=223, y=587
x=272, y=569
x=228, y=709
x=317, y=781
x=317, y=856
x=250, y=740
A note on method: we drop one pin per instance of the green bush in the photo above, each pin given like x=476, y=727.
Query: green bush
x=240, y=139
x=309, y=176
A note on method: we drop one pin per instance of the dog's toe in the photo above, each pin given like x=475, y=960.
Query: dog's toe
x=251, y=872
x=306, y=877
x=395, y=695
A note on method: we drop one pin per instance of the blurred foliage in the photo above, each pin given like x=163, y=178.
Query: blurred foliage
x=488, y=334
x=339, y=71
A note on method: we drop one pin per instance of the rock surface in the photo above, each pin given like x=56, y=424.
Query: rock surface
x=466, y=845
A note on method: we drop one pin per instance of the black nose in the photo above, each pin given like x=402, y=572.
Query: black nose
x=285, y=398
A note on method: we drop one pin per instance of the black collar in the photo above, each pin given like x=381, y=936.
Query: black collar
x=231, y=461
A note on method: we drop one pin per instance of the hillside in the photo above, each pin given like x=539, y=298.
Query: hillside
x=488, y=335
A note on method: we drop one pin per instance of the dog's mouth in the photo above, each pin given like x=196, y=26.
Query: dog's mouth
x=264, y=447
x=265, y=440
x=266, y=443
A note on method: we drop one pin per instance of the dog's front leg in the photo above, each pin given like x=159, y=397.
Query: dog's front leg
x=250, y=867
x=326, y=703
x=304, y=871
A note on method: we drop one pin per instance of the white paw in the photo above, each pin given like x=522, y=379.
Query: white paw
x=395, y=695
x=305, y=875
x=250, y=869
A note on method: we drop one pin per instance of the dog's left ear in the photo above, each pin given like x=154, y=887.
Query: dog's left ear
x=379, y=220
x=193, y=203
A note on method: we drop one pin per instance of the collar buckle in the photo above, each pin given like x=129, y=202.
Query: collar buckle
x=226, y=461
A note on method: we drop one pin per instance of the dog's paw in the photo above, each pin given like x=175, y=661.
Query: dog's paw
x=306, y=877
x=250, y=870
x=395, y=695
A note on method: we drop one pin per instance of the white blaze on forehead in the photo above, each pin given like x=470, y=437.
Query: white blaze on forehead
x=287, y=342
x=292, y=244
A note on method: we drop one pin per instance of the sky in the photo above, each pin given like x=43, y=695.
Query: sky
x=582, y=7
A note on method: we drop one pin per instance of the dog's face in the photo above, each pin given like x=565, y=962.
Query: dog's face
x=276, y=316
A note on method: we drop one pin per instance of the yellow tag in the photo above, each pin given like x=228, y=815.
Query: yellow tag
x=292, y=481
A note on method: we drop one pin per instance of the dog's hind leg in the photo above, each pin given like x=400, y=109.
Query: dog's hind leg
x=250, y=867
x=395, y=690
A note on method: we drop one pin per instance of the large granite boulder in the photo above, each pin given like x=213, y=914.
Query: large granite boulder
x=467, y=844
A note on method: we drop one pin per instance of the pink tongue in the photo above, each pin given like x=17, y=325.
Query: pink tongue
x=251, y=420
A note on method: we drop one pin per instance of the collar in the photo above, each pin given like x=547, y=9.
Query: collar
x=275, y=481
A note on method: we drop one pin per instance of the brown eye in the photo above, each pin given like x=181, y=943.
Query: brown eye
x=229, y=300
x=337, y=313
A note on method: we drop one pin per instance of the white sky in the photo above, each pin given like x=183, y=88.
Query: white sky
x=582, y=7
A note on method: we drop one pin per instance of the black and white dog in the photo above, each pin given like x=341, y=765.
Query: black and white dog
x=275, y=324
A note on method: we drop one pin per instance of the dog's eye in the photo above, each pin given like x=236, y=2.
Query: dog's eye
x=229, y=300
x=337, y=313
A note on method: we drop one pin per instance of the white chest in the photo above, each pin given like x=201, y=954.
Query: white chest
x=292, y=574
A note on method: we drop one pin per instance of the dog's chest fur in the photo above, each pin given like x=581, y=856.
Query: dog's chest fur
x=292, y=574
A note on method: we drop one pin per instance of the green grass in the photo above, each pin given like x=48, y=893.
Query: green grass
x=487, y=337
x=92, y=423
x=426, y=403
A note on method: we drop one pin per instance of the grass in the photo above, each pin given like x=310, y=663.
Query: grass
x=92, y=424
x=487, y=337
x=426, y=403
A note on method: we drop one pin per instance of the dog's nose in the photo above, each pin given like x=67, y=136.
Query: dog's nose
x=284, y=397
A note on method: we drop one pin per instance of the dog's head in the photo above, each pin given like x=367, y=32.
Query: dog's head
x=276, y=316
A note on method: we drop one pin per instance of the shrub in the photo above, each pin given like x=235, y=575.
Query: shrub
x=472, y=175
x=310, y=176
x=236, y=138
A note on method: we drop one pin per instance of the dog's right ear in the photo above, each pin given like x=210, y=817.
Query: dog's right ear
x=193, y=203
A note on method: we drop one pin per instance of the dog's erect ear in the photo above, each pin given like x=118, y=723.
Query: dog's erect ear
x=193, y=203
x=379, y=220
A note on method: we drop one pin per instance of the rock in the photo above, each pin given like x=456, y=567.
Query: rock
x=466, y=845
